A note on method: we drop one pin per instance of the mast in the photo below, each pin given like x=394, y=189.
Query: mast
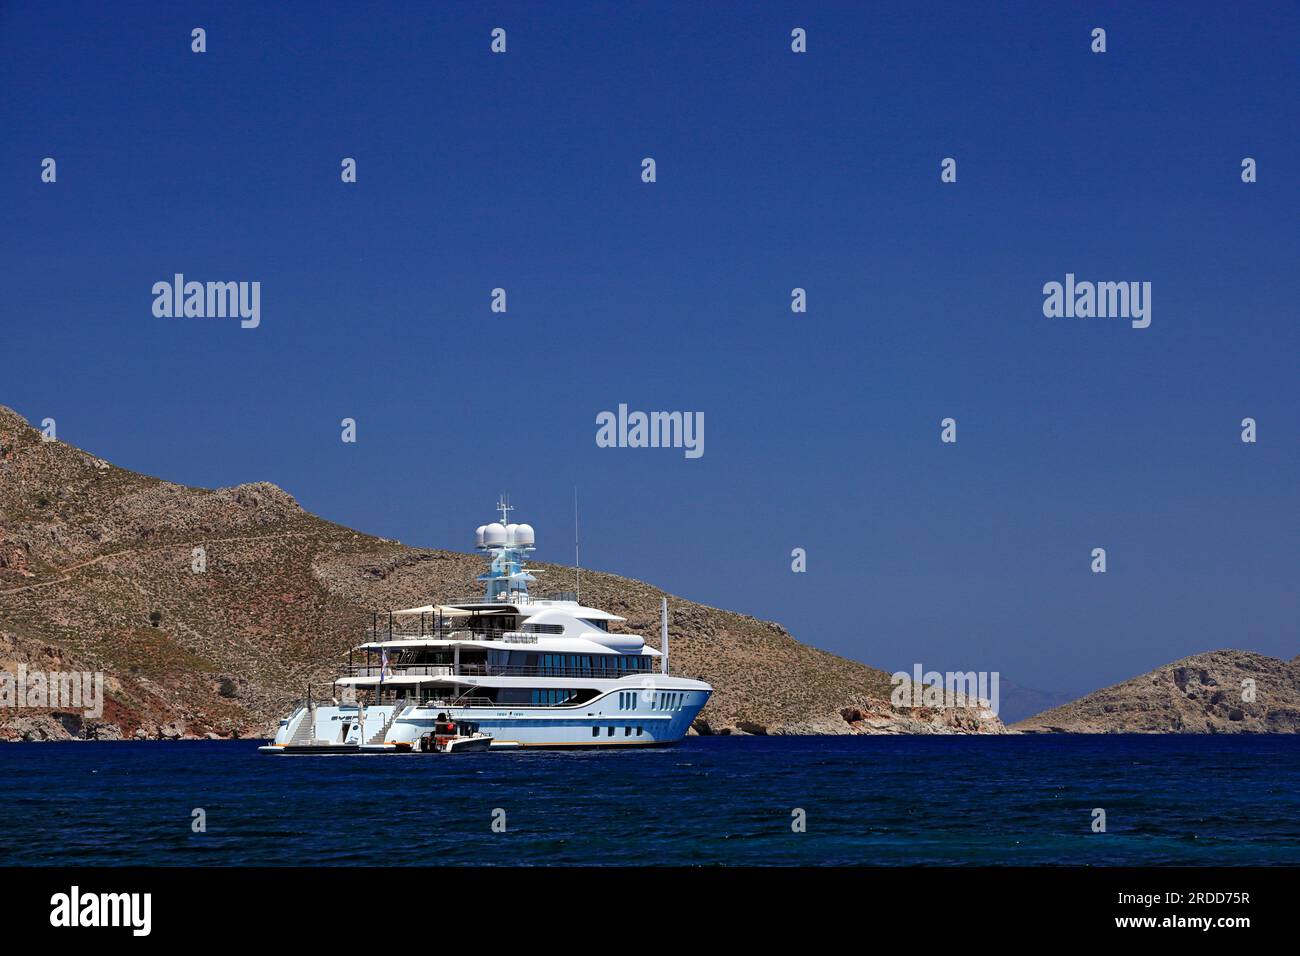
x=506, y=547
x=663, y=635
x=577, y=564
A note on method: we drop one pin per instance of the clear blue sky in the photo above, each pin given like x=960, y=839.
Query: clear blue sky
x=775, y=170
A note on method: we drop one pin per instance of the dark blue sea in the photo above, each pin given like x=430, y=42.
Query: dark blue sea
x=866, y=800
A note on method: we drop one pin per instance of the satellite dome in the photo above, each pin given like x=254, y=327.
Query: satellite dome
x=524, y=537
x=494, y=535
x=510, y=535
x=478, y=535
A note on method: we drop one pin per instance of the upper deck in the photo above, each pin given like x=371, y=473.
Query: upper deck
x=502, y=639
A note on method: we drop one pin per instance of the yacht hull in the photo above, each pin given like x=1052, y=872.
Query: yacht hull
x=624, y=716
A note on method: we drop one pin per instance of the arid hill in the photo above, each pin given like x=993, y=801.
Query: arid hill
x=96, y=574
x=1218, y=692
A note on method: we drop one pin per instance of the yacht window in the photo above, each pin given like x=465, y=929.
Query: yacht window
x=627, y=731
x=595, y=731
x=638, y=731
x=611, y=732
x=551, y=696
x=598, y=625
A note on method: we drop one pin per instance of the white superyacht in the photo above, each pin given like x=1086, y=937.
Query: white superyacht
x=502, y=670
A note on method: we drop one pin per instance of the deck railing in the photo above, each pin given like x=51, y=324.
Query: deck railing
x=490, y=670
x=449, y=633
x=447, y=702
x=519, y=670
x=417, y=670
x=532, y=598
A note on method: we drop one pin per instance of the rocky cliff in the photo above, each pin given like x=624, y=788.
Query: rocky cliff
x=96, y=573
x=1218, y=692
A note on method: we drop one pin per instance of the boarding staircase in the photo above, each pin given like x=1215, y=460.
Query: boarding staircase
x=379, y=735
x=303, y=732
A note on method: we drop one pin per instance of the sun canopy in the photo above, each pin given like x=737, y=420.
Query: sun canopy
x=435, y=609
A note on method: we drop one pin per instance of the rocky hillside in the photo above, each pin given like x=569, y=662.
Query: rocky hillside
x=96, y=574
x=1219, y=692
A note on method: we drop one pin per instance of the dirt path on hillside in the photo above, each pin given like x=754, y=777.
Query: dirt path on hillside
x=66, y=574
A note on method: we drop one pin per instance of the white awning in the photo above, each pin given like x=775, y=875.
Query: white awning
x=398, y=680
x=435, y=610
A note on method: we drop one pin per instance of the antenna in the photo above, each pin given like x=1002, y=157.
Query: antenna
x=663, y=635
x=577, y=565
x=504, y=506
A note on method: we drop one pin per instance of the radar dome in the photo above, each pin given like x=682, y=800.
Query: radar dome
x=510, y=535
x=494, y=535
x=524, y=537
x=478, y=535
